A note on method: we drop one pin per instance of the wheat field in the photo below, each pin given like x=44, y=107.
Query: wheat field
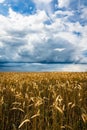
x=43, y=101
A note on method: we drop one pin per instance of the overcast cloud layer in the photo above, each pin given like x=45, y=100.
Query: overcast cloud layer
x=43, y=32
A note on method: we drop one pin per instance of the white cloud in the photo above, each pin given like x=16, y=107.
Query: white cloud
x=42, y=1
x=30, y=39
x=63, y=3
x=1, y=1
x=59, y=49
x=73, y=39
x=75, y=68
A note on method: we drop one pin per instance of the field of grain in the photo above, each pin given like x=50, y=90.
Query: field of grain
x=43, y=101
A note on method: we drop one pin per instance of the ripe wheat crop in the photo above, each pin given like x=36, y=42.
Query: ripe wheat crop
x=43, y=101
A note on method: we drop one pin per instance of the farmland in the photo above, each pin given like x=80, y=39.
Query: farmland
x=43, y=101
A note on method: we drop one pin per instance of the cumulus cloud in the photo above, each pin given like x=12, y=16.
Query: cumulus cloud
x=48, y=52
x=63, y=3
x=39, y=38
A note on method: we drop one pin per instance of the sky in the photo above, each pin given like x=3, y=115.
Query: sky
x=43, y=35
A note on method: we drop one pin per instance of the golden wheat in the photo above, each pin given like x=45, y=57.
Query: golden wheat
x=43, y=101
